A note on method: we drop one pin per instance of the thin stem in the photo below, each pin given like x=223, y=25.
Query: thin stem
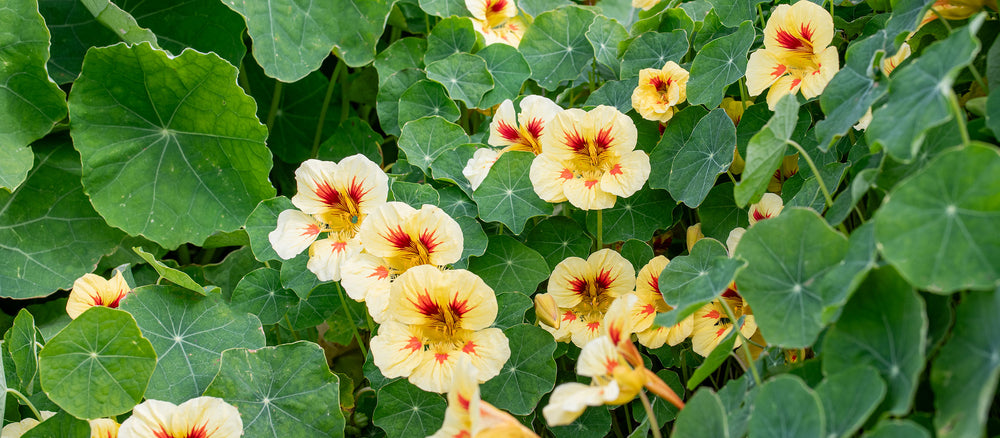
x=350, y=318
x=337, y=71
x=295, y=333
x=956, y=110
x=600, y=229
x=972, y=68
x=275, y=102
x=731, y=177
x=815, y=171
x=242, y=78
x=744, y=93
x=184, y=254
x=616, y=425
x=650, y=416
x=831, y=8
x=277, y=333
x=27, y=402
x=760, y=14
x=206, y=256
x=345, y=102
x=746, y=351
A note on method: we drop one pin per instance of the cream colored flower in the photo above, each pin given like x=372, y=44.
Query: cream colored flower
x=327, y=255
x=204, y=417
x=644, y=4
x=93, y=290
x=712, y=323
x=789, y=167
x=469, y=416
x=770, y=205
x=340, y=195
x=15, y=430
x=296, y=231
x=104, y=428
x=479, y=166
x=569, y=400
x=509, y=32
x=523, y=131
x=496, y=20
x=659, y=91
x=650, y=302
x=406, y=237
x=367, y=278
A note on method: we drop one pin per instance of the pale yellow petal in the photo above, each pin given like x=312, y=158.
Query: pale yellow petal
x=210, y=416
x=734, y=239
x=447, y=301
x=363, y=272
x=586, y=194
x=149, y=418
x=814, y=80
x=769, y=206
x=614, y=273
x=548, y=176
x=590, y=326
x=103, y=428
x=397, y=349
x=763, y=70
x=504, y=128
x=565, y=280
x=781, y=88
x=628, y=175
x=326, y=256
x=569, y=400
x=890, y=63
x=479, y=166
x=619, y=321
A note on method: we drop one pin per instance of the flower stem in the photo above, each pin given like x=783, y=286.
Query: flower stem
x=956, y=111
x=337, y=71
x=350, y=318
x=746, y=350
x=744, y=93
x=600, y=229
x=27, y=402
x=275, y=101
x=815, y=171
x=654, y=425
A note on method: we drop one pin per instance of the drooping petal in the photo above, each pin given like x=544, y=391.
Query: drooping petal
x=569, y=400
x=443, y=301
x=479, y=166
x=464, y=388
x=363, y=273
x=295, y=232
x=504, y=130
x=327, y=256
x=489, y=350
x=398, y=349
x=548, y=176
x=655, y=336
x=628, y=175
x=763, y=70
x=93, y=290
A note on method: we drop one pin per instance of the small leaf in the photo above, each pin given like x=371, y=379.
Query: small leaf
x=689, y=282
x=312, y=311
x=402, y=54
x=653, y=50
x=849, y=397
x=556, y=45
x=635, y=217
x=513, y=306
x=295, y=275
x=732, y=13
x=897, y=429
x=423, y=140
x=444, y=8
x=413, y=194
x=464, y=75
x=389, y=93
x=707, y=154
x=507, y=195
x=529, y=374
x=509, y=266
x=174, y=275
x=261, y=294
x=352, y=136
x=451, y=35
x=557, y=238
x=772, y=418
x=766, y=150
x=850, y=94
x=615, y=93
x=637, y=252
x=425, y=98
x=448, y=167
x=703, y=416
x=509, y=70
x=21, y=341
x=405, y=410
x=717, y=65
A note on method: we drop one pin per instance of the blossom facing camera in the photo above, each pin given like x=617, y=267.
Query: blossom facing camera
x=93, y=290
x=206, y=417
x=584, y=290
x=659, y=91
x=513, y=132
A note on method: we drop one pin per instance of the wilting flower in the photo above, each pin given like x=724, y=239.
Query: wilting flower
x=770, y=205
x=15, y=430
x=496, y=20
x=649, y=303
x=513, y=132
x=584, y=289
x=334, y=198
x=469, y=416
x=93, y=290
x=797, y=54
x=659, y=91
x=888, y=65
x=103, y=428
x=644, y=4
x=436, y=317
x=589, y=158
x=207, y=417
x=712, y=323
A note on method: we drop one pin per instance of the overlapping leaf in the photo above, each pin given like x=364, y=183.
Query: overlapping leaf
x=509, y=266
x=689, y=282
x=529, y=374
x=707, y=154
x=772, y=418
x=720, y=63
x=507, y=195
x=425, y=139
x=464, y=75
x=635, y=217
x=405, y=410
x=556, y=45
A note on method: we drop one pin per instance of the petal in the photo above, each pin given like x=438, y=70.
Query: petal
x=150, y=419
x=489, y=350
x=569, y=400
x=566, y=327
x=619, y=322
x=587, y=194
x=479, y=166
x=434, y=373
x=536, y=112
x=504, y=129
x=782, y=87
x=644, y=4
x=734, y=239
x=383, y=225
x=890, y=63
x=564, y=283
x=599, y=357
x=628, y=175
x=647, y=285
x=808, y=15
x=769, y=206
x=326, y=256
x=363, y=272
x=427, y=296
x=814, y=81
x=547, y=178
x=313, y=178
x=763, y=70
x=208, y=417
x=565, y=128
x=864, y=121
x=589, y=327
x=397, y=349
x=621, y=131
x=295, y=232
x=103, y=428
x=613, y=271
x=364, y=181
x=439, y=233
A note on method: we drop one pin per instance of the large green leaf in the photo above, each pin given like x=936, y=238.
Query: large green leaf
x=771, y=414
x=426, y=98
x=313, y=310
x=60, y=425
x=653, y=50
x=188, y=333
x=295, y=275
x=444, y=8
x=30, y=103
x=703, y=416
x=965, y=373
x=938, y=227
x=529, y=374
x=615, y=93
x=292, y=38
x=389, y=93
x=851, y=92
x=897, y=429
x=98, y=366
x=402, y=54
x=351, y=137
x=509, y=266
x=448, y=167
x=691, y=281
x=556, y=45
x=464, y=75
x=707, y=154
x=883, y=325
x=919, y=93
x=74, y=29
x=512, y=307
x=405, y=410
x=781, y=280
x=720, y=63
x=604, y=35
x=451, y=35
x=456, y=203
x=22, y=342
x=849, y=397
x=766, y=150
x=156, y=162
x=425, y=139
x=635, y=217
x=839, y=283
x=595, y=422
x=509, y=70
x=714, y=360
x=203, y=26
x=733, y=12
x=49, y=232
x=719, y=214
x=507, y=195
x=281, y=391
x=260, y=293
x=413, y=194
x=557, y=238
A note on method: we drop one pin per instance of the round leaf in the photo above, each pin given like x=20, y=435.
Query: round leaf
x=772, y=418
x=261, y=294
x=203, y=26
x=719, y=214
x=426, y=98
x=261, y=222
x=604, y=35
x=635, y=217
x=557, y=238
x=707, y=154
x=556, y=45
x=448, y=167
x=703, y=415
x=389, y=93
x=402, y=54
x=529, y=374
x=512, y=307
x=464, y=75
x=849, y=397
x=423, y=140
x=509, y=266
x=405, y=410
x=509, y=70
x=451, y=35
x=721, y=62
x=653, y=50
x=507, y=196
x=691, y=281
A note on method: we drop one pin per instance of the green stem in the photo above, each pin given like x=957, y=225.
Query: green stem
x=206, y=256
x=760, y=14
x=744, y=93
x=277, y=333
x=831, y=8
x=27, y=402
x=275, y=103
x=600, y=229
x=815, y=171
x=242, y=78
x=345, y=102
x=956, y=111
x=295, y=333
x=731, y=177
x=972, y=68
x=616, y=425
x=746, y=351
x=654, y=425
x=337, y=71
x=350, y=318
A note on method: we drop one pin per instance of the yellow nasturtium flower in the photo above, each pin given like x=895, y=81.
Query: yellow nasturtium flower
x=770, y=205
x=796, y=55
x=955, y=9
x=103, y=428
x=644, y=4
x=468, y=416
x=712, y=323
x=660, y=91
x=497, y=21
x=436, y=318
x=589, y=158
x=93, y=290
x=650, y=302
x=203, y=417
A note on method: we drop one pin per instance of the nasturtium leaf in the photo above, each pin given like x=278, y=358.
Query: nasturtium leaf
x=405, y=410
x=389, y=93
x=556, y=45
x=444, y=8
x=188, y=333
x=351, y=137
x=637, y=252
x=60, y=425
x=74, y=29
x=691, y=281
x=711, y=29
x=449, y=166
x=557, y=238
x=604, y=35
x=474, y=238
x=595, y=422
x=203, y=26
x=50, y=233
x=426, y=98
x=964, y=374
x=772, y=417
x=706, y=154
x=402, y=54
x=124, y=24
x=737, y=398
x=455, y=202
x=291, y=39
x=98, y=366
x=313, y=310
x=615, y=93
x=535, y=7
x=30, y=103
x=839, y=283
x=993, y=110
x=509, y=70
x=653, y=50
x=227, y=273
x=719, y=214
x=295, y=275
x=848, y=97
x=156, y=162
x=529, y=374
x=905, y=18
x=260, y=293
x=512, y=307
x=715, y=359
x=507, y=195
x=175, y=276
x=423, y=140
x=281, y=391
x=720, y=63
x=413, y=194
x=766, y=150
x=883, y=325
x=261, y=222
x=938, y=227
x=897, y=429
x=450, y=36
x=50, y=316
x=674, y=136
x=703, y=416
x=464, y=75
x=733, y=12
x=781, y=279
x=919, y=93
x=22, y=342
x=849, y=397
x=635, y=217
x=509, y=266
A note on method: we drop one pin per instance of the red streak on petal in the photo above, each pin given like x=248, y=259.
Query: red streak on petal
x=569, y=316
x=459, y=308
x=795, y=83
x=590, y=183
x=114, y=304
x=357, y=190
x=97, y=300
x=426, y=305
x=508, y=132
x=441, y=357
x=712, y=315
x=311, y=230
x=654, y=282
x=464, y=402
x=498, y=6
x=805, y=30
x=339, y=246
x=610, y=366
x=534, y=125
x=779, y=70
x=604, y=279
x=594, y=326
x=161, y=434
x=616, y=169
x=788, y=40
x=566, y=174
x=758, y=216
x=615, y=333
x=731, y=291
x=462, y=434
x=469, y=348
x=329, y=196
x=604, y=139
x=720, y=331
x=575, y=141
x=380, y=273
x=414, y=344
x=648, y=309
x=818, y=66
x=398, y=238
x=578, y=286
x=429, y=241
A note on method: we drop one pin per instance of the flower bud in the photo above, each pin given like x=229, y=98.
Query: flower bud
x=694, y=234
x=546, y=310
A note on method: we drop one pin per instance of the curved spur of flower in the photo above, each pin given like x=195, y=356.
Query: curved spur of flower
x=367, y=278
x=712, y=324
x=93, y=290
x=207, y=417
x=770, y=205
x=326, y=256
x=523, y=131
x=569, y=400
x=650, y=302
x=340, y=195
x=479, y=166
x=15, y=430
x=296, y=231
x=592, y=156
x=601, y=360
x=659, y=91
x=796, y=54
x=407, y=237
x=955, y=9
x=103, y=428
x=468, y=416
x=644, y=4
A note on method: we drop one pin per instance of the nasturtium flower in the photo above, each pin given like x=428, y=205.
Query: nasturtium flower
x=468, y=416
x=436, y=317
x=478, y=167
x=367, y=278
x=659, y=91
x=644, y=4
x=15, y=430
x=693, y=235
x=569, y=400
x=712, y=323
x=796, y=55
x=93, y=290
x=584, y=289
x=734, y=109
x=103, y=428
x=203, y=417
x=789, y=167
x=955, y=9
x=513, y=132
x=649, y=303
x=496, y=20
x=589, y=158
x=406, y=237
x=770, y=205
